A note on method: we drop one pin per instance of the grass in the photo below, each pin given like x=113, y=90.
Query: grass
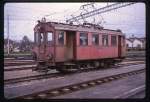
x=17, y=54
x=135, y=53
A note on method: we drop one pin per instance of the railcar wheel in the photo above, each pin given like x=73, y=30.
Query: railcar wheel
x=106, y=64
x=34, y=56
x=96, y=64
x=50, y=56
x=41, y=67
x=102, y=64
x=112, y=63
x=89, y=65
x=67, y=69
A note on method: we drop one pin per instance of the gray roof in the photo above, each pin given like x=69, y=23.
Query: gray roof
x=135, y=38
x=84, y=28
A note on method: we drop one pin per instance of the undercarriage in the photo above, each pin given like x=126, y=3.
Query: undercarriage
x=73, y=66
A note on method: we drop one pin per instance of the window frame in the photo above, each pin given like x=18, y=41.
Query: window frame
x=112, y=43
x=36, y=38
x=139, y=46
x=59, y=43
x=107, y=41
x=127, y=45
x=47, y=40
x=43, y=37
x=94, y=43
x=123, y=41
x=86, y=38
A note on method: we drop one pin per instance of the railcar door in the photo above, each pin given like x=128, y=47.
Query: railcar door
x=70, y=45
x=50, y=46
x=42, y=46
x=119, y=46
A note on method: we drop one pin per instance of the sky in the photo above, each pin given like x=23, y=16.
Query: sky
x=22, y=17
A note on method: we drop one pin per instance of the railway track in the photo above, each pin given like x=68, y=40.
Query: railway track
x=130, y=63
x=79, y=86
x=14, y=62
x=52, y=75
x=31, y=78
x=20, y=67
x=135, y=59
x=18, y=62
x=20, y=57
x=24, y=66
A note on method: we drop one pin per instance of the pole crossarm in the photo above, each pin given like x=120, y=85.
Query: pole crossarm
x=100, y=10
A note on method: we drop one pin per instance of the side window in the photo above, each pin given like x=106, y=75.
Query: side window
x=61, y=38
x=50, y=38
x=138, y=46
x=113, y=40
x=36, y=38
x=83, y=39
x=105, y=40
x=123, y=38
x=41, y=37
x=127, y=45
x=95, y=39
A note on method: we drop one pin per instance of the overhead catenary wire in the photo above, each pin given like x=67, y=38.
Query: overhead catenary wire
x=21, y=17
x=27, y=11
x=100, y=10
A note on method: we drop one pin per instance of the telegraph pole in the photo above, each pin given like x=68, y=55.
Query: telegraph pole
x=8, y=35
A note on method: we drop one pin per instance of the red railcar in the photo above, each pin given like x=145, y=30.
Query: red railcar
x=66, y=46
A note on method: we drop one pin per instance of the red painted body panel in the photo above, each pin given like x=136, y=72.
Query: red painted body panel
x=62, y=53
x=49, y=50
x=84, y=53
x=35, y=49
x=96, y=52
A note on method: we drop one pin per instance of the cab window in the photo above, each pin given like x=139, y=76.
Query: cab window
x=95, y=39
x=123, y=41
x=113, y=40
x=105, y=40
x=36, y=36
x=83, y=39
x=61, y=38
x=50, y=38
x=42, y=38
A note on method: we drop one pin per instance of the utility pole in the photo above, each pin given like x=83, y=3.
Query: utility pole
x=8, y=35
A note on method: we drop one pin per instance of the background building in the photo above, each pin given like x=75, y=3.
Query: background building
x=135, y=43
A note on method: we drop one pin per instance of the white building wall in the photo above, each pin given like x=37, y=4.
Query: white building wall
x=136, y=43
x=129, y=43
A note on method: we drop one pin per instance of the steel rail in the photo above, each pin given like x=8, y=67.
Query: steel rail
x=17, y=64
x=52, y=75
x=30, y=78
x=32, y=65
x=20, y=68
x=100, y=10
x=79, y=86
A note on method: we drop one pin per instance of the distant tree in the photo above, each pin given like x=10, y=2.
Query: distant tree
x=25, y=44
x=11, y=44
x=118, y=30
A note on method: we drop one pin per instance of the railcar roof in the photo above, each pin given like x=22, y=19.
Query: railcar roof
x=83, y=28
